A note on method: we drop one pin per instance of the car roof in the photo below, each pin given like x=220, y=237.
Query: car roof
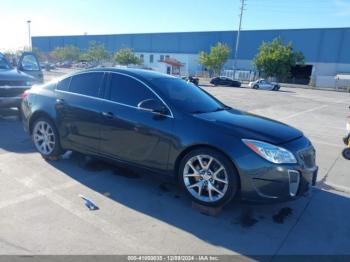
x=143, y=73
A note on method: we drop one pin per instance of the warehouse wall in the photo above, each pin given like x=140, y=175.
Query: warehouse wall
x=326, y=49
x=318, y=45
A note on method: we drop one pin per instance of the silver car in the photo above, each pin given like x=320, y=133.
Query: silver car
x=265, y=85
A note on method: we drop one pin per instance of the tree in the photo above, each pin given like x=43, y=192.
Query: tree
x=276, y=59
x=126, y=56
x=41, y=56
x=96, y=52
x=216, y=59
x=68, y=52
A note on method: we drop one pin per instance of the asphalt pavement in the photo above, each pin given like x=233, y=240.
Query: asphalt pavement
x=41, y=211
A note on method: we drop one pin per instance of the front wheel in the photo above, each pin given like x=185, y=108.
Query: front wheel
x=46, y=139
x=255, y=87
x=346, y=153
x=208, y=177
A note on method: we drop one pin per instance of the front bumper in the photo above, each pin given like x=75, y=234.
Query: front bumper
x=10, y=96
x=280, y=184
x=269, y=183
x=8, y=102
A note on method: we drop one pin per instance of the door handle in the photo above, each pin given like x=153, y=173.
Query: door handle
x=60, y=101
x=108, y=115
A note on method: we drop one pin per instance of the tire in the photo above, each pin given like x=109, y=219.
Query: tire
x=46, y=139
x=275, y=88
x=255, y=87
x=346, y=153
x=198, y=181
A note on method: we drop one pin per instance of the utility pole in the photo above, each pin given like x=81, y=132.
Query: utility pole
x=238, y=33
x=29, y=37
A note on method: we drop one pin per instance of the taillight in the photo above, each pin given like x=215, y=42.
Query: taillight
x=25, y=94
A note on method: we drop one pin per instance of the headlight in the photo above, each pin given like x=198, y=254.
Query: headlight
x=272, y=153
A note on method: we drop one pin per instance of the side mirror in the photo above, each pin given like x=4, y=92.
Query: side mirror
x=154, y=106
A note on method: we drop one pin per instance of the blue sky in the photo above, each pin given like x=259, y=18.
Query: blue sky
x=72, y=17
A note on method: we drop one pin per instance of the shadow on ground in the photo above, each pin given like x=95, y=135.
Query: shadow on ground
x=12, y=135
x=314, y=224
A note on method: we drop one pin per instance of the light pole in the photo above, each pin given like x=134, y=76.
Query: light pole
x=238, y=34
x=29, y=37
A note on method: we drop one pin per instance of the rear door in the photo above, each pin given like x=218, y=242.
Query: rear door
x=29, y=64
x=130, y=134
x=78, y=108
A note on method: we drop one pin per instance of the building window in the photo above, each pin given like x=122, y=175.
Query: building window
x=151, y=58
x=142, y=57
x=161, y=58
x=167, y=57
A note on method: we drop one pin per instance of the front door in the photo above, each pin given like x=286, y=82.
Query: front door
x=129, y=133
x=29, y=64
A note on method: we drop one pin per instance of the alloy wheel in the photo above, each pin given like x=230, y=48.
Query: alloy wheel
x=205, y=178
x=44, y=137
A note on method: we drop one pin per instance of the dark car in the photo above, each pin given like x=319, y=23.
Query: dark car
x=224, y=81
x=14, y=81
x=166, y=126
x=191, y=79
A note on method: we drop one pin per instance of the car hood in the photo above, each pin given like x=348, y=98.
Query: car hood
x=249, y=126
x=14, y=75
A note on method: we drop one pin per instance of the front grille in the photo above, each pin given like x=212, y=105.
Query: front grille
x=12, y=83
x=308, y=157
x=11, y=91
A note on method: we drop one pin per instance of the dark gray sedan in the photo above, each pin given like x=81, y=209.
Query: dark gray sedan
x=165, y=125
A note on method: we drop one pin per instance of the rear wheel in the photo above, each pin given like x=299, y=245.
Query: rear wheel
x=46, y=139
x=208, y=177
x=276, y=88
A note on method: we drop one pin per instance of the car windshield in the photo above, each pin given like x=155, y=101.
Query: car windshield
x=186, y=96
x=4, y=64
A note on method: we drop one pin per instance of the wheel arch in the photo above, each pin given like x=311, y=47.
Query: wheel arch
x=197, y=146
x=36, y=116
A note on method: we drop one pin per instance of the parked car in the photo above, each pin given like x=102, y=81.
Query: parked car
x=162, y=124
x=14, y=81
x=264, y=84
x=224, y=81
x=191, y=79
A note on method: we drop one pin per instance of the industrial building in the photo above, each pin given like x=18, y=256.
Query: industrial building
x=326, y=50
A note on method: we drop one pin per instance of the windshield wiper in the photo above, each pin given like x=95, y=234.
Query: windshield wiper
x=216, y=110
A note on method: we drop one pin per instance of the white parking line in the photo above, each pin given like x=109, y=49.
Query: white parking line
x=304, y=112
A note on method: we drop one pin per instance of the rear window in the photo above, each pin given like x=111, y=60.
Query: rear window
x=86, y=84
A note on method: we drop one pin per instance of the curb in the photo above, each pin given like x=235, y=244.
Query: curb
x=337, y=187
